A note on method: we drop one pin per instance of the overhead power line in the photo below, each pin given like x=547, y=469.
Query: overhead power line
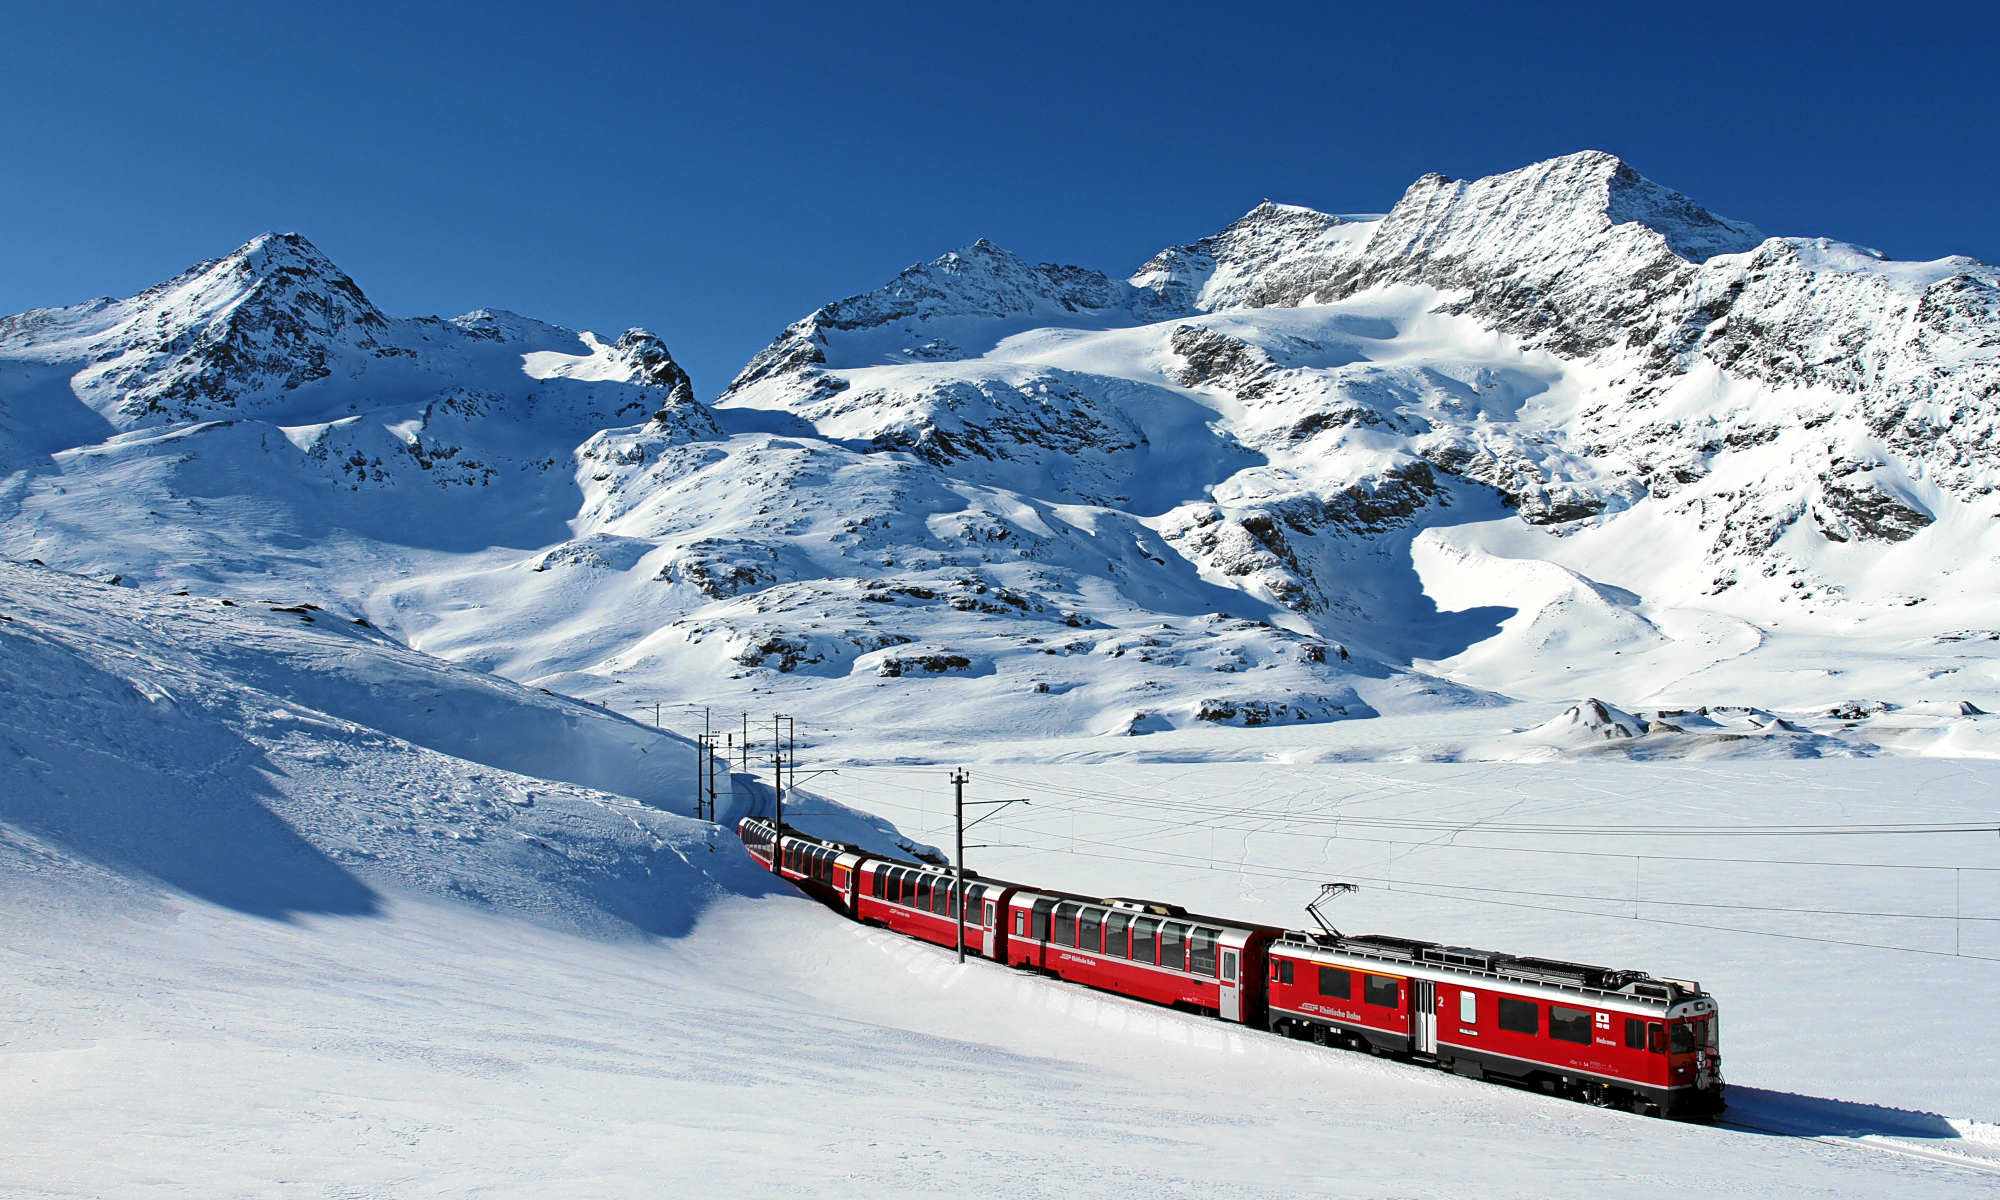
x=1492, y=895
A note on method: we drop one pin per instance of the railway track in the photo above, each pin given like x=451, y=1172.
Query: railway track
x=1979, y=1164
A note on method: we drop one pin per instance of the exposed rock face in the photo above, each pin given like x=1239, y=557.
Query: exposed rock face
x=981, y=282
x=277, y=336
x=218, y=339
x=1275, y=255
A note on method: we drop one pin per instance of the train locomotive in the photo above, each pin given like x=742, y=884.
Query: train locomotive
x=1613, y=1038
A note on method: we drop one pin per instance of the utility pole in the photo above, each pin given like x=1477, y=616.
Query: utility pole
x=777, y=804
x=959, y=778
x=791, y=742
x=701, y=749
x=711, y=777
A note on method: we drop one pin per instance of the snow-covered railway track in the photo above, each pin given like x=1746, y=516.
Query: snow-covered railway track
x=1978, y=1164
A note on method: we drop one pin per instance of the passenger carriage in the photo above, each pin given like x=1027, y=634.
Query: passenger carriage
x=920, y=901
x=1610, y=1037
x=827, y=871
x=1149, y=951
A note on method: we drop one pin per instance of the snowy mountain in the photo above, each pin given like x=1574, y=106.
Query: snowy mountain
x=1552, y=433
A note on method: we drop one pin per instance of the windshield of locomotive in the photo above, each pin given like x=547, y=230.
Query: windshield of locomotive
x=1686, y=1037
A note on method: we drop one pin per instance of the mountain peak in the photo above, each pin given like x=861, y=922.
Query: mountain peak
x=1556, y=205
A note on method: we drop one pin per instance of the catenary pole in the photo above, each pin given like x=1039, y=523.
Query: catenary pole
x=958, y=779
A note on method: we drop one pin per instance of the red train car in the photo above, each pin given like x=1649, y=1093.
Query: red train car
x=1155, y=952
x=1610, y=1037
x=922, y=902
x=827, y=871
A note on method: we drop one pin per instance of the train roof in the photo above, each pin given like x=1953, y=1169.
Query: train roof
x=791, y=833
x=1498, y=966
x=1384, y=948
x=1150, y=908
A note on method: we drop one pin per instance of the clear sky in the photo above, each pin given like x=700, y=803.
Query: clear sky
x=715, y=171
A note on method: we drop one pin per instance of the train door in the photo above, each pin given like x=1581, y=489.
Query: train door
x=990, y=931
x=1424, y=1015
x=1230, y=1008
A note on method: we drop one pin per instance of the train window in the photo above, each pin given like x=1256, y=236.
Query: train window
x=1656, y=1038
x=1020, y=923
x=1065, y=925
x=1201, y=951
x=1173, y=946
x=1115, y=927
x=1145, y=944
x=941, y=897
x=1381, y=991
x=1635, y=1034
x=1041, y=929
x=1229, y=966
x=1090, y=929
x=1711, y=1030
x=1520, y=1016
x=1682, y=1038
x=1468, y=1007
x=923, y=891
x=1336, y=983
x=1569, y=1024
x=1281, y=970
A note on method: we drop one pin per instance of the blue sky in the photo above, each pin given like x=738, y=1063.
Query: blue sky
x=715, y=171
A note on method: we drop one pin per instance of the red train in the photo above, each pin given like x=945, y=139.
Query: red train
x=1612, y=1038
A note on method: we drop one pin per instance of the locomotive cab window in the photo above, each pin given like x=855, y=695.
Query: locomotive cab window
x=1381, y=990
x=1520, y=1016
x=1635, y=1034
x=1281, y=970
x=1680, y=1038
x=1569, y=1024
x=1656, y=1038
x=1336, y=983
